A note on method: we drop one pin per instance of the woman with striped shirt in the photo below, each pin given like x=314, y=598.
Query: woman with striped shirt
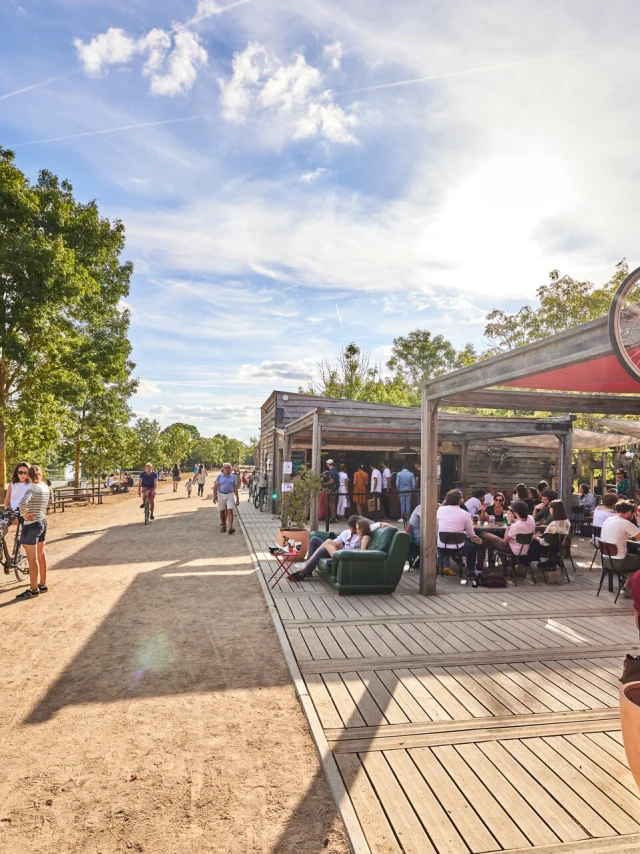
x=33, y=508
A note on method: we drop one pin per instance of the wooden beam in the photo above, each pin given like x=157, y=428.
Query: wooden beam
x=565, y=470
x=428, y=496
x=547, y=401
x=572, y=347
x=316, y=462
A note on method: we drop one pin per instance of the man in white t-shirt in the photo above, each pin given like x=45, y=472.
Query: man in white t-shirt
x=475, y=504
x=617, y=531
x=386, y=486
x=603, y=512
x=493, y=491
x=451, y=518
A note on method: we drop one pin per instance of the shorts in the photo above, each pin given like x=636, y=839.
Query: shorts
x=33, y=532
x=226, y=500
x=175, y=477
x=149, y=491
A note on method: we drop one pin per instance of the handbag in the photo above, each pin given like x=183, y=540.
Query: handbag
x=631, y=669
x=371, y=504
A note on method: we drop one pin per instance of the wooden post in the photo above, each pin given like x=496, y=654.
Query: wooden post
x=428, y=496
x=316, y=461
x=566, y=473
x=604, y=472
x=579, y=468
x=464, y=464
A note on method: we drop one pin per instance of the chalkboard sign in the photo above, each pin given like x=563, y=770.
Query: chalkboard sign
x=297, y=460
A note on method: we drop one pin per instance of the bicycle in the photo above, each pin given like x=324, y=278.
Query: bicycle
x=147, y=509
x=15, y=559
x=253, y=491
x=260, y=499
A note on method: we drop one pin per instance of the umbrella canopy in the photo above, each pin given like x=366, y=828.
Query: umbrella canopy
x=631, y=427
x=583, y=440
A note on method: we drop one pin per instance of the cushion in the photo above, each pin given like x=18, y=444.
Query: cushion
x=381, y=539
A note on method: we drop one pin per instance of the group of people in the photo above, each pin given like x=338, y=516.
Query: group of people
x=369, y=489
x=123, y=484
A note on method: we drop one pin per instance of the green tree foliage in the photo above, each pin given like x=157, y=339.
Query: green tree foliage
x=61, y=282
x=176, y=443
x=147, y=446
x=193, y=431
x=564, y=302
x=420, y=355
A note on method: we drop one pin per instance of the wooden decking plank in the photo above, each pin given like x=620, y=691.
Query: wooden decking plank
x=567, y=682
x=282, y=606
x=553, y=696
x=391, y=640
x=423, y=639
x=407, y=702
x=554, y=755
x=531, y=630
x=608, y=744
x=612, y=845
x=343, y=700
x=618, y=770
x=430, y=705
x=360, y=642
x=527, y=690
x=404, y=821
x=391, y=710
x=580, y=810
x=585, y=680
x=298, y=645
x=365, y=703
x=457, y=689
x=605, y=784
x=489, y=693
x=345, y=643
x=438, y=824
x=317, y=650
x=523, y=816
x=447, y=700
x=489, y=809
x=401, y=633
x=321, y=698
x=376, y=641
x=498, y=627
x=593, y=671
x=484, y=638
x=376, y=828
x=437, y=638
x=329, y=643
x=460, y=811
x=558, y=819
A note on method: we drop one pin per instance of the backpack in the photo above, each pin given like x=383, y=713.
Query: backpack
x=492, y=579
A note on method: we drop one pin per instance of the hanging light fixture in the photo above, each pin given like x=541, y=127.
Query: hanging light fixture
x=406, y=448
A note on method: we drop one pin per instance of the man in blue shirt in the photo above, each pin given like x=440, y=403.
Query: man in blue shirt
x=148, y=483
x=405, y=484
x=225, y=488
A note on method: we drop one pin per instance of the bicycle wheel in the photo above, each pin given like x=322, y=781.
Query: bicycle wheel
x=256, y=502
x=20, y=564
x=147, y=512
x=624, y=324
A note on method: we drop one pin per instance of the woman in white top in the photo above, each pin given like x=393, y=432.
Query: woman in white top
x=18, y=486
x=201, y=478
x=343, y=491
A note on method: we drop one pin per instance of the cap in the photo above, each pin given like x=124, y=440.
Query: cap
x=329, y=461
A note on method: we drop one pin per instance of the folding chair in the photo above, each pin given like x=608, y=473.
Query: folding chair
x=607, y=552
x=511, y=559
x=552, y=560
x=565, y=550
x=595, y=540
x=453, y=543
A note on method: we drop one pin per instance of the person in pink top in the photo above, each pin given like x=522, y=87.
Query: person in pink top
x=520, y=522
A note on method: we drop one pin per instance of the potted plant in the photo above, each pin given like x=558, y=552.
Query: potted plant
x=630, y=721
x=296, y=506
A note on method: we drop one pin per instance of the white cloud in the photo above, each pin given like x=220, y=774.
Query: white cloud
x=215, y=413
x=208, y=8
x=114, y=47
x=291, y=92
x=310, y=177
x=172, y=59
x=333, y=52
x=148, y=388
x=292, y=371
x=186, y=57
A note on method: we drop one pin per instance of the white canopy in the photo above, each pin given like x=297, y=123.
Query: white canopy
x=583, y=440
x=631, y=427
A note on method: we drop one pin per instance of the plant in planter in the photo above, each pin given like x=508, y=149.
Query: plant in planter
x=296, y=506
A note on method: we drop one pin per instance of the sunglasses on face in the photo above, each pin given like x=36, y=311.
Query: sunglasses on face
x=23, y=472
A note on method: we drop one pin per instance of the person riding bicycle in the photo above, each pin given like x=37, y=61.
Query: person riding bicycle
x=148, y=483
x=263, y=485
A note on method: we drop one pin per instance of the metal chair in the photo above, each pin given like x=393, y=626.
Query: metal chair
x=595, y=540
x=512, y=559
x=552, y=560
x=577, y=518
x=565, y=550
x=607, y=552
x=453, y=543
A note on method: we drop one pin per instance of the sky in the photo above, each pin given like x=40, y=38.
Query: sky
x=296, y=176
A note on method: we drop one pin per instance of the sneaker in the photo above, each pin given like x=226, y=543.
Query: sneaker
x=298, y=566
x=296, y=576
x=28, y=594
x=152, y=516
x=223, y=529
x=232, y=530
x=626, y=594
x=42, y=588
x=142, y=506
x=448, y=571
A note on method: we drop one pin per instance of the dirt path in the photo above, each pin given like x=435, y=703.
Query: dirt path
x=146, y=704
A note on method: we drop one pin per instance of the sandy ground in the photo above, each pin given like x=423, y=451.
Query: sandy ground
x=146, y=704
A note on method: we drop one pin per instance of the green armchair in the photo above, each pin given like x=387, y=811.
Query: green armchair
x=378, y=569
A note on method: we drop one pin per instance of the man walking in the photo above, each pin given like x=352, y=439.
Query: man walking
x=331, y=479
x=386, y=486
x=226, y=488
x=405, y=484
x=376, y=489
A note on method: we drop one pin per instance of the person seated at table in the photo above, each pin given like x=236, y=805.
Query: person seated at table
x=558, y=524
x=521, y=493
x=541, y=512
x=587, y=498
x=542, y=486
x=622, y=482
x=603, y=512
x=475, y=504
x=111, y=481
x=357, y=536
x=493, y=491
x=618, y=530
x=496, y=511
x=520, y=522
x=451, y=518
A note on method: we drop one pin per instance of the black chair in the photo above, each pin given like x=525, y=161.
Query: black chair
x=453, y=543
x=565, y=550
x=607, y=552
x=595, y=540
x=577, y=518
x=552, y=560
x=511, y=559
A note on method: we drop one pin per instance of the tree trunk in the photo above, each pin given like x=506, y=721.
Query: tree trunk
x=3, y=455
x=76, y=479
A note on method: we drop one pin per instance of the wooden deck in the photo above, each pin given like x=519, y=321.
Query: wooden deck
x=476, y=721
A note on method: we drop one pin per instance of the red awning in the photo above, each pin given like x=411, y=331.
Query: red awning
x=605, y=375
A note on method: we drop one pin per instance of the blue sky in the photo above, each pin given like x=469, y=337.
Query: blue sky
x=291, y=182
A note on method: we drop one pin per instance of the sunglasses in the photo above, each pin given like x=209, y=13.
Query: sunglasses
x=23, y=472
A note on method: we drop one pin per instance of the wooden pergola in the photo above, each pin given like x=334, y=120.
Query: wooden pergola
x=391, y=427
x=569, y=372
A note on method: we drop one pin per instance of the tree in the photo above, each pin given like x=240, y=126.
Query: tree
x=176, y=442
x=147, y=444
x=564, y=302
x=419, y=356
x=353, y=378
x=60, y=278
x=193, y=431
